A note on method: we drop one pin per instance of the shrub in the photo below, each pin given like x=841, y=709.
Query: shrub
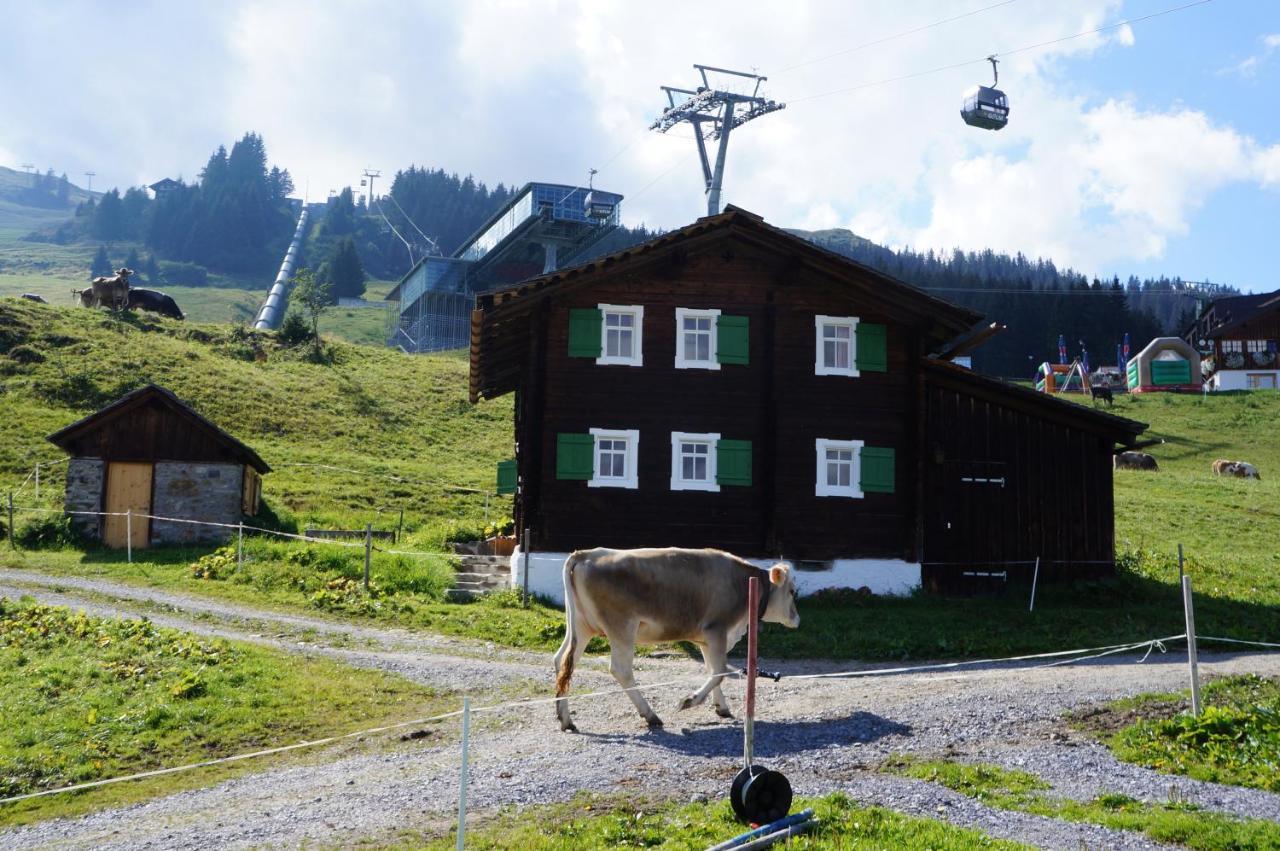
x=294, y=331
x=49, y=531
x=219, y=564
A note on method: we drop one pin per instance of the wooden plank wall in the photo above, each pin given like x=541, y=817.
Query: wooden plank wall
x=1056, y=501
x=776, y=402
x=150, y=432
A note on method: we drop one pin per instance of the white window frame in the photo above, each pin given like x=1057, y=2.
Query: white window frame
x=678, y=482
x=819, y=324
x=1232, y=346
x=821, y=488
x=1252, y=346
x=637, y=339
x=631, y=479
x=683, y=362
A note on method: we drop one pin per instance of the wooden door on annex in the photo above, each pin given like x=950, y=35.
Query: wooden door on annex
x=128, y=489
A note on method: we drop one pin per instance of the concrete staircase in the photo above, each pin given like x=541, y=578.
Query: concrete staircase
x=478, y=575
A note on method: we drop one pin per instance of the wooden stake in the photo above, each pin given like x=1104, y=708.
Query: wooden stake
x=400, y=527
x=240, y=545
x=749, y=726
x=462, y=773
x=1181, y=569
x=368, y=553
x=1193, y=661
x=12, y=545
x=37, y=482
x=128, y=534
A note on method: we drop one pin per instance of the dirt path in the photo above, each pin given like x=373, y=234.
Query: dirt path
x=826, y=735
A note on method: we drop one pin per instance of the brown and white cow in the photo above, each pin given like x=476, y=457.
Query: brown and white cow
x=1239, y=469
x=657, y=595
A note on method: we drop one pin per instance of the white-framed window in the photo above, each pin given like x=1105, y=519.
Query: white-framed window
x=693, y=461
x=696, y=339
x=1232, y=346
x=616, y=455
x=621, y=335
x=836, y=343
x=839, y=468
x=1255, y=345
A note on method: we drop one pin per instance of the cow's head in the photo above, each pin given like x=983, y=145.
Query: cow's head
x=782, y=598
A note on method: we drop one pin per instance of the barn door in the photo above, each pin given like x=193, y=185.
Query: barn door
x=963, y=532
x=128, y=489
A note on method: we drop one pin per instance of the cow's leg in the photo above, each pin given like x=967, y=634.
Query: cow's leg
x=574, y=645
x=622, y=650
x=717, y=695
x=714, y=656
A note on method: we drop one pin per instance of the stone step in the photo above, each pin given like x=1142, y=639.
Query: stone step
x=490, y=580
x=505, y=561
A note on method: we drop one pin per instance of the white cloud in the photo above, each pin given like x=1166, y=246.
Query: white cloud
x=544, y=89
x=1247, y=68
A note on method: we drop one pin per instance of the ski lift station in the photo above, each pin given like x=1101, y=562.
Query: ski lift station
x=544, y=227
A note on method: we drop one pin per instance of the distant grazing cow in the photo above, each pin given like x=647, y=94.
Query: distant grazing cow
x=156, y=302
x=1239, y=469
x=1103, y=394
x=1134, y=461
x=658, y=595
x=113, y=291
x=33, y=297
x=85, y=296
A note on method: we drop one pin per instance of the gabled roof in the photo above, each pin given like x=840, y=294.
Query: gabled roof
x=1233, y=311
x=65, y=437
x=1120, y=429
x=500, y=324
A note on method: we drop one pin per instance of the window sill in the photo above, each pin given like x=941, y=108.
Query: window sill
x=695, y=364
x=846, y=494
x=709, y=487
x=831, y=370
x=608, y=361
x=626, y=484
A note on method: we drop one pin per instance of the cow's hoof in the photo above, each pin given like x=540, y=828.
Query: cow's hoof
x=687, y=703
x=724, y=712
x=568, y=728
x=655, y=723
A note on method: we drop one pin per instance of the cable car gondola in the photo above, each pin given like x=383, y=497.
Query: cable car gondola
x=986, y=106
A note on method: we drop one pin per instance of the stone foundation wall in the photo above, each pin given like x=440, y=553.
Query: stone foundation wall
x=84, y=493
x=208, y=492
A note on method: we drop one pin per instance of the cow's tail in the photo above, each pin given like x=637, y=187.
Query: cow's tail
x=565, y=673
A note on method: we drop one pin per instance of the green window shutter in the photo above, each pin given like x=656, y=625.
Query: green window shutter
x=584, y=332
x=507, y=476
x=876, y=469
x=733, y=462
x=872, y=355
x=732, y=339
x=575, y=456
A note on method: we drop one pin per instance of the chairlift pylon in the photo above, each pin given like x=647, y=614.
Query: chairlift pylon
x=986, y=106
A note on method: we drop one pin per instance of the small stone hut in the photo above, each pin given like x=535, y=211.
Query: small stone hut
x=149, y=453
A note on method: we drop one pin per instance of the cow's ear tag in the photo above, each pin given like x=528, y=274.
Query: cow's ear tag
x=778, y=574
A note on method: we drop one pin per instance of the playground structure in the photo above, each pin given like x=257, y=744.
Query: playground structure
x=1062, y=378
x=1165, y=364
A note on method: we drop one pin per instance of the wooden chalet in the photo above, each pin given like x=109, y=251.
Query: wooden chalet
x=732, y=385
x=149, y=453
x=1238, y=338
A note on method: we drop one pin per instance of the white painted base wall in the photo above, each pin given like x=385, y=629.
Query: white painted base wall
x=1237, y=379
x=892, y=577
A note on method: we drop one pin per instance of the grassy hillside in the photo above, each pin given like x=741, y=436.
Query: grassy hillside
x=370, y=409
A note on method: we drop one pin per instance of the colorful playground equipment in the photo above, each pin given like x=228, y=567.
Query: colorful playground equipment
x=1167, y=363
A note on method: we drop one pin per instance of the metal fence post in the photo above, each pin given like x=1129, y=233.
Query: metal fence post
x=368, y=553
x=749, y=723
x=12, y=544
x=240, y=544
x=128, y=534
x=1193, y=660
x=462, y=773
x=1034, y=578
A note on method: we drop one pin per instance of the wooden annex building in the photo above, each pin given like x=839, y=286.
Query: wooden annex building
x=732, y=385
x=149, y=453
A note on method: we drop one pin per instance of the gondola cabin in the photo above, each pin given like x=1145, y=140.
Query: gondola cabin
x=985, y=107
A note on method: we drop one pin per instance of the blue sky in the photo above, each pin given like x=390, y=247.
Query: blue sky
x=1144, y=150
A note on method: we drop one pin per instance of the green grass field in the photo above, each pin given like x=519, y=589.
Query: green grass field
x=86, y=698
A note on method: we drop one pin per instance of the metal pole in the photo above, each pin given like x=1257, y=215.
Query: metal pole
x=368, y=553
x=717, y=178
x=1192, y=659
x=128, y=534
x=12, y=545
x=240, y=545
x=749, y=727
x=524, y=555
x=462, y=773
x=1181, y=568
x=1034, y=578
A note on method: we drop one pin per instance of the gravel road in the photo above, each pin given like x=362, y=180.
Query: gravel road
x=825, y=735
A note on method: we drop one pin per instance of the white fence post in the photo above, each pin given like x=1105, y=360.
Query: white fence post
x=1034, y=578
x=1193, y=660
x=368, y=553
x=12, y=544
x=240, y=544
x=462, y=773
x=128, y=534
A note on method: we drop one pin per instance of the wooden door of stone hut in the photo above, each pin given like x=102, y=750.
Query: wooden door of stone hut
x=127, y=489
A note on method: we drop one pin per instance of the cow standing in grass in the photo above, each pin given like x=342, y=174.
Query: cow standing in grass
x=1134, y=461
x=659, y=595
x=1239, y=469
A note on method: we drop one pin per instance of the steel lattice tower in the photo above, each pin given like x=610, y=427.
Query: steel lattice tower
x=718, y=111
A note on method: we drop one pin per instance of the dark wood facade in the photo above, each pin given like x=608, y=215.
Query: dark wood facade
x=1241, y=320
x=738, y=264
